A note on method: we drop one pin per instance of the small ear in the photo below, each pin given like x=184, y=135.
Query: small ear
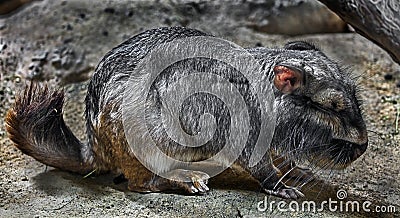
x=300, y=45
x=287, y=79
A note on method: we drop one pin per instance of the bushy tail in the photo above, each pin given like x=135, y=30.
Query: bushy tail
x=36, y=125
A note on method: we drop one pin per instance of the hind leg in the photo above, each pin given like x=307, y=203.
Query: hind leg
x=142, y=180
x=113, y=152
x=188, y=181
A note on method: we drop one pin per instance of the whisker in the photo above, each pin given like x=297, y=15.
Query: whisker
x=377, y=134
x=280, y=180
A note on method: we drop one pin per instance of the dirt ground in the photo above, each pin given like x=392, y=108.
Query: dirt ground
x=61, y=42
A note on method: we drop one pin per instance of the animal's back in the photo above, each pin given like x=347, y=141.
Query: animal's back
x=117, y=65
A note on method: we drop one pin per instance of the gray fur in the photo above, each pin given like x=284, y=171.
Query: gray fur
x=319, y=123
x=308, y=124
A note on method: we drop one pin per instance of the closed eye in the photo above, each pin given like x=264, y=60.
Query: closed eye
x=330, y=99
x=332, y=108
x=323, y=108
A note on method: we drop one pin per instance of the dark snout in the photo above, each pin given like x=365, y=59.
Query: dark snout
x=359, y=150
x=346, y=152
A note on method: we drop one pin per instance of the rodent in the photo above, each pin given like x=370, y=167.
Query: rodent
x=318, y=119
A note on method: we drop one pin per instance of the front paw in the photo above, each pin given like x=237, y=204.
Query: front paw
x=286, y=192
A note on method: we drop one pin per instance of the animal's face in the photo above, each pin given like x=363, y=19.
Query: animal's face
x=318, y=110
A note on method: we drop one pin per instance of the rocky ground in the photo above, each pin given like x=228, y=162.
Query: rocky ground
x=60, y=42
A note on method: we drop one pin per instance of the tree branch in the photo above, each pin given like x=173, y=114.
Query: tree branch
x=377, y=20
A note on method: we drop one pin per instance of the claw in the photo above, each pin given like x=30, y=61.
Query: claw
x=193, y=190
x=197, y=184
x=287, y=192
x=200, y=180
x=201, y=185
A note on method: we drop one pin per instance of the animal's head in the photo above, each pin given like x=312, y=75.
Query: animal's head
x=318, y=109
